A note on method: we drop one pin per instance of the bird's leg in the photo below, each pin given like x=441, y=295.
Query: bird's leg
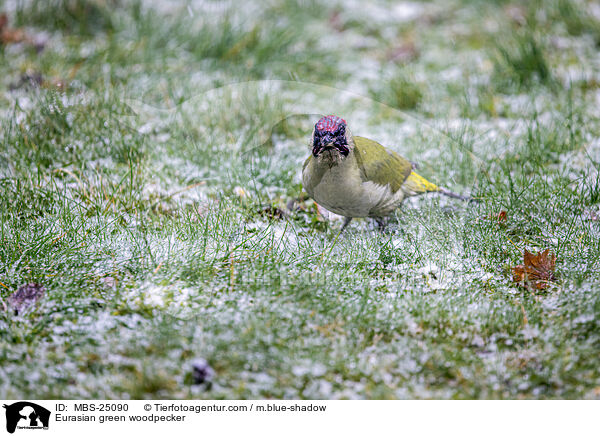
x=346, y=222
x=381, y=224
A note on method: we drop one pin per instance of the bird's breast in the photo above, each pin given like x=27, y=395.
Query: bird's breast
x=341, y=190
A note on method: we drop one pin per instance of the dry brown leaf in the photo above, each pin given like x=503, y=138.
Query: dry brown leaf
x=26, y=296
x=500, y=217
x=537, y=270
x=9, y=35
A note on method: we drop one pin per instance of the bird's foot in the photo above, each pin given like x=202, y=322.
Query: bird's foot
x=347, y=220
x=382, y=224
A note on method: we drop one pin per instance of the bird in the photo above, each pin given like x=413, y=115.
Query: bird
x=357, y=177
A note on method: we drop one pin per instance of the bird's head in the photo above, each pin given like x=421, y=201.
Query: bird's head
x=331, y=140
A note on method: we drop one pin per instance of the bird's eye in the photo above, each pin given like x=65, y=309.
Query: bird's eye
x=317, y=138
x=342, y=129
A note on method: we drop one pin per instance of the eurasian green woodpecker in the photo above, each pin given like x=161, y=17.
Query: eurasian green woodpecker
x=358, y=177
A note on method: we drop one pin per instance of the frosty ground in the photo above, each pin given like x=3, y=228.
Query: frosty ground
x=150, y=181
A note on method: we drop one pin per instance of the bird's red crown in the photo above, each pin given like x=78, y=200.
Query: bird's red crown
x=330, y=123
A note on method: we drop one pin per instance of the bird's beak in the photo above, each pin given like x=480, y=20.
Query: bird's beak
x=325, y=146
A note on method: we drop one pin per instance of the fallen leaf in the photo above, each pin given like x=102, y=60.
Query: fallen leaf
x=537, y=270
x=9, y=35
x=25, y=296
x=500, y=217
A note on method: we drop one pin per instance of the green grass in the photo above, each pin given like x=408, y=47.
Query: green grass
x=521, y=62
x=157, y=197
x=401, y=92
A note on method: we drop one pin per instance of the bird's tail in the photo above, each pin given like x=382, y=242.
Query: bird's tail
x=451, y=194
x=416, y=184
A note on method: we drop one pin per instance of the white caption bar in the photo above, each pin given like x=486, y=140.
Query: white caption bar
x=265, y=417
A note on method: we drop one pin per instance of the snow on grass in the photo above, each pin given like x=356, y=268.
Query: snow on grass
x=157, y=234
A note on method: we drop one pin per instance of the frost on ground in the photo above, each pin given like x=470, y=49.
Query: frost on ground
x=158, y=198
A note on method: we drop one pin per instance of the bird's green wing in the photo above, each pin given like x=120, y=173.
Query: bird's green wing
x=380, y=165
x=306, y=162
